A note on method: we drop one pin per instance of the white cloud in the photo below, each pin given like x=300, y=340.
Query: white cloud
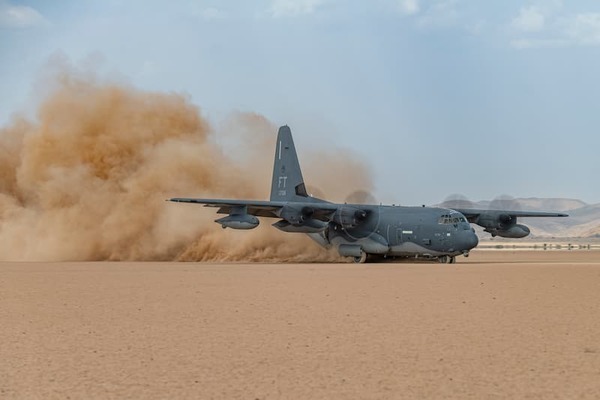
x=409, y=7
x=559, y=31
x=441, y=14
x=287, y=8
x=211, y=13
x=530, y=19
x=20, y=16
x=477, y=28
x=538, y=43
x=201, y=11
x=584, y=29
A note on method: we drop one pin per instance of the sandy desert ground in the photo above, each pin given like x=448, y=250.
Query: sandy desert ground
x=514, y=325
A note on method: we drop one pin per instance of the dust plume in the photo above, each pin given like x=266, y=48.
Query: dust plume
x=87, y=179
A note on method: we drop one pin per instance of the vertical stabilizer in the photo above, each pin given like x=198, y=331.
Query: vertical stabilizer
x=287, y=184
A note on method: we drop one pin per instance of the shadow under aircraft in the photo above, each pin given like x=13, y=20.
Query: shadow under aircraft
x=364, y=231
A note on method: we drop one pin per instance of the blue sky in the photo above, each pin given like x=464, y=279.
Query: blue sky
x=439, y=96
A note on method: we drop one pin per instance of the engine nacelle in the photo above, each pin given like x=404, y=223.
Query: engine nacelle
x=238, y=221
x=516, y=231
x=296, y=215
x=349, y=217
x=502, y=224
x=300, y=220
x=496, y=221
x=307, y=226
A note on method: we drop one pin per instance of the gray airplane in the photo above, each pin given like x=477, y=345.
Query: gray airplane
x=363, y=231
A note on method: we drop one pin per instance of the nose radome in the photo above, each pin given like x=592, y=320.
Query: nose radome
x=472, y=240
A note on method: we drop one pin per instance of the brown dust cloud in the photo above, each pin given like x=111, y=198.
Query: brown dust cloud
x=87, y=179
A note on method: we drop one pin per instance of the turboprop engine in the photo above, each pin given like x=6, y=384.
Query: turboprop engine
x=349, y=216
x=299, y=219
x=503, y=225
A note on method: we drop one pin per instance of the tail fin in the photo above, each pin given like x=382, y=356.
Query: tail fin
x=287, y=183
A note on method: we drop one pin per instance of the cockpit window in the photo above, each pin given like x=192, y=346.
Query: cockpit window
x=449, y=219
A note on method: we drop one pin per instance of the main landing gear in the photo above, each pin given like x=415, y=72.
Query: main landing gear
x=447, y=259
x=364, y=257
x=360, y=259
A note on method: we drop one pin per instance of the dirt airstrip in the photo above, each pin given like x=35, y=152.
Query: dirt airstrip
x=511, y=324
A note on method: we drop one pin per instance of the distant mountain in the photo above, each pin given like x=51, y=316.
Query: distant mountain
x=583, y=220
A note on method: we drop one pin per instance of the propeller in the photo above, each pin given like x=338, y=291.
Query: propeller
x=356, y=220
x=457, y=200
x=307, y=213
x=360, y=197
x=504, y=202
x=350, y=216
x=499, y=203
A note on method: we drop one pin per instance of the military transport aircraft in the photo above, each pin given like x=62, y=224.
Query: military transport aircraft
x=363, y=231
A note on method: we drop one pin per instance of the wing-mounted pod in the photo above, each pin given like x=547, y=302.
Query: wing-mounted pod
x=516, y=231
x=238, y=219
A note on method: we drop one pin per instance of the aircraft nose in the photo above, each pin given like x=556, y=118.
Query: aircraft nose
x=471, y=240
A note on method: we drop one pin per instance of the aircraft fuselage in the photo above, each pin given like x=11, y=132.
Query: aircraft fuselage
x=403, y=231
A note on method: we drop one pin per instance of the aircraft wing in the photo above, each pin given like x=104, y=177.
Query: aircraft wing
x=259, y=208
x=254, y=207
x=473, y=214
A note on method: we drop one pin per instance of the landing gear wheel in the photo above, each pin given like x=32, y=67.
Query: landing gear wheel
x=447, y=259
x=360, y=259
